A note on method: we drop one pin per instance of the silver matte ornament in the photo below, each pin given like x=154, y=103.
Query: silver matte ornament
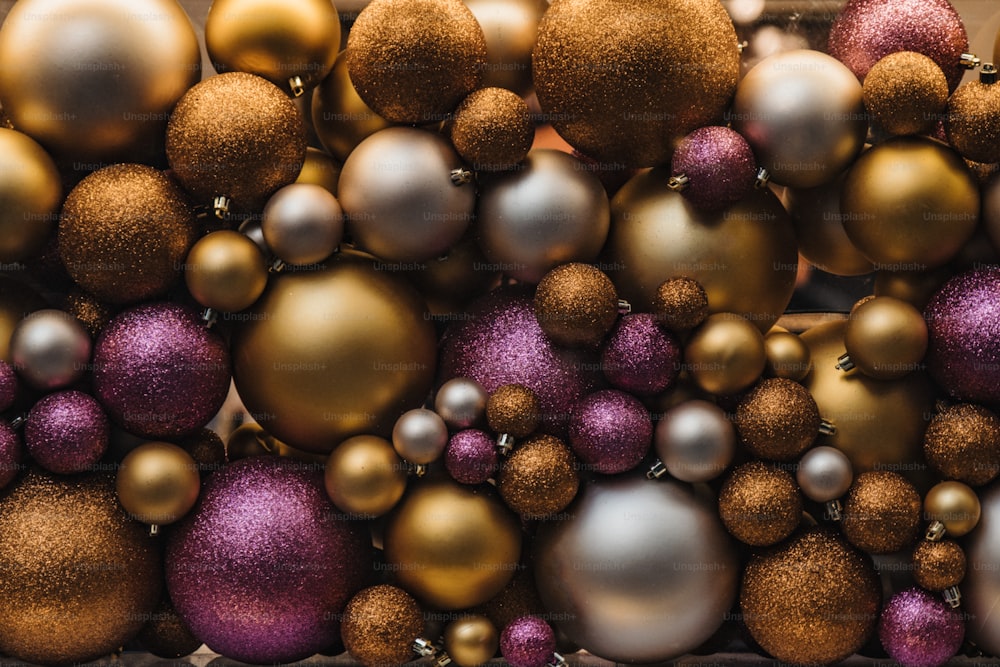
x=461, y=402
x=50, y=349
x=695, y=441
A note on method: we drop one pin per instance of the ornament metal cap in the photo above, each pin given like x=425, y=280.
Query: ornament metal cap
x=988, y=74
x=969, y=61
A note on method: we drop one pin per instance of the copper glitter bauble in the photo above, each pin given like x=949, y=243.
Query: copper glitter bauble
x=938, y=565
x=539, y=478
x=905, y=93
x=380, y=624
x=973, y=121
x=414, y=61
x=80, y=577
x=881, y=512
x=777, y=419
x=491, y=129
x=31, y=193
x=886, y=338
x=513, y=409
x=576, y=304
x=341, y=118
x=623, y=82
x=760, y=505
x=680, y=304
x=124, y=232
x=787, y=356
x=238, y=136
x=962, y=442
x=812, y=600
x=725, y=354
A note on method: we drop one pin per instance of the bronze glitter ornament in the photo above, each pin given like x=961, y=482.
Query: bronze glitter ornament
x=576, y=304
x=973, y=119
x=962, y=442
x=623, y=82
x=413, y=61
x=812, y=600
x=491, y=129
x=938, y=565
x=539, y=478
x=905, y=93
x=124, y=232
x=881, y=512
x=513, y=409
x=680, y=304
x=760, y=505
x=380, y=624
x=777, y=419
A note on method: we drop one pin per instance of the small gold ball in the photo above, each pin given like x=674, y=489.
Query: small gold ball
x=471, y=641
x=881, y=512
x=513, y=409
x=158, y=483
x=938, y=565
x=225, y=270
x=725, y=354
x=380, y=624
x=760, y=505
x=787, y=356
x=906, y=93
x=365, y=476
x=962, y=442
x=539, y=478
x=955, y=505
x=576, y=304
x=680, y=304
x=491, y=129
x=777, y=419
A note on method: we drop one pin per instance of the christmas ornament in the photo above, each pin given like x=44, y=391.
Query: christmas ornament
x=66, y=432
x=225, y=270
x=413, y=62
x=471, y=456
x=777, y=419
x=49, y=349
x=17, y=299
x=157, y=483
x=365, y=476
x=787, y=356
x=938, y=565
x=905, y=93
x=639, y=356
x=31, y=192
x=461, y=402
x=825, y=474
x=714, y=167
x=265, y=546
x=11, y=454
x=513, y=409
x=610, y=431
x=991, y=210
x=207, y=450
x=302, y=224
x=165, y=635
x=680, y=304
x=885, y=338
x=471, y=640
x=982, y=581
x=320, y=169
x=420, y=436
x=341, y=118
x=625, y=590
x=380, y=623
x=540, y=478
x=695, y=441
x=576, y=304
x=528, y=642
x=973, y=119
x=962, y=442
x=881, y=512
x=491, y=129
x=510, y=28
x=919, y=629
x=954, y=505
x=760, y=505
x=725, y=354
x=450, y=283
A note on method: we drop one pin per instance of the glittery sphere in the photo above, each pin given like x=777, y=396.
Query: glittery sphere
x=491, y=129
x=865, y=31
x=11, y=454
x=576, y=304
x=639, y=356
x=528, y=642
x=962, y=442
x=919, y=629
x=905, y=93
x=513, y=409
x=235, y=135
x=973, y=121
x=777, y=419
x=471, y=456
x=414, y=61
x=380, y=624
x=695, y=440
x=882, y=512
x=938, y=565
x=165, y=635
x=159, y=372
x=79, y=583
x=963, y=322
x=813, y=599
x=680, y=304
x=610, y=431
x=262, y=567
x=8, y=386
x=719, y=164
x=67, y=432
x=461, y=402
x=539, y=478
x=760, y=505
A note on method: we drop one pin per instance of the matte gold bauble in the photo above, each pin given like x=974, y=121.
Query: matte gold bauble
x=906, y=93
x=510, y=28
x=617, y=78
x=787, y=356
x=471, y=640
x=380, y=624
x=491, y=129
x=95, y=81
x=879, y=423
x=886, y=338
x=280, y=41
x=760, y=505
x=725, y=354
x=962, y=442
x=225, y=270
x=576, y=304
x=414, y=61
x=909, y=204
x=955, y=505
x=124, y=232
x=365, y=476
x=881, y=512
x=80, y=577
x=158, y=483
x=938, y=565
x=320, y=169
x=324, y=355
x=744, y=257
x=539, y=478
x=340, y=116
x=973, y=121
x=30, y=195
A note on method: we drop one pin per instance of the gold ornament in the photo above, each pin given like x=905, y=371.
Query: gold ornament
x=725, y=354
x=787, y=356
x=576, y=304
x=973, y=119
x=380, y=624
x=325, y=355
x=291, y=44
x=31, y=193
x=471, y=640
x=938, y=565
x=95, y=81
x=906, y=93
x=962, y=442
x=539, y=478
x=624, y=82
x=886, y=338
x=226, y=271
x=744, y=257
x=760, y=505
x=914, y=287
x=491, y=129
x=680, y=304
x=249, y=440
x=341, y=118
x=955, y=505
x=510, y=28
x=158, y=483
x=452, y=547
x=414, y=61
x=365, y=476
x=320, y=169
x=124, y=232
x=881, y=512
x=777, y=419
x=166, y=635
x=513, y=409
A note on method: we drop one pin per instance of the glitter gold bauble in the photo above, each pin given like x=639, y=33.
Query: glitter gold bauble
x=787, y=356
x=576, y=304
x=96, y=80
x=225, y=270
x=938, y=565
x=491, y=129
x=760, y=505
x=623, y=82
x=777, y=419
x=906, y=93
x=973, y=121
x=539, y=478
x=955, y=505
x=365, y=476
x=280, y=41
x=881, y=512
x=238, y=136
x=962, y=442
x=680, y=304
x=380, y=624
x=725, y=354
x=124, y=232
x=157, y=483
x=812, y=600
x=513, y=409
x=471, y=640
x=324, y=355
x=744, y=257
x=31, y=193
x=886, y=338
x=909, y=204
x=452, y=547
x=414, y=61
x=166, y=635
x=341, y=118
x=510, y=28
x=80, y=577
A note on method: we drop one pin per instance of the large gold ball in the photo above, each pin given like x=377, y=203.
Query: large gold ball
x=341, y=118
x=364, y=476
x=510, y=28
x=225, y=270
x=158, y=483
x=745, y=256
x=96, y=80
x=451, y=546
x=80, y=577
x=324, y=355
x=623, y=82
x=31, y=194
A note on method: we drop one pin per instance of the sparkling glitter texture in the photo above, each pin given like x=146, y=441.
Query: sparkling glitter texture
x=640, y=357
x=720, y=165
x=539, y=478
x=962, y=442
x=528, y=642
x=491, y=129
x=264, y=564
x=11, y=454
x=67, y=432
x=8, y=386
x=513, y=409
x=882, y=512
x=919, y=629
x=380, y=624
x=905, y=93
x=778, y=419
x=471, y=456
x=938, y=565
x=973, y=121
x=680, y=304
x=610, y=431
x=576, y=304
x=760, y=505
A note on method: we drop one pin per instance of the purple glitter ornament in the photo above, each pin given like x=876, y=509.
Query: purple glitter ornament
x=528, y=641
x=159, y=371
x=919, y=629
x=963, y=323
x=471, y=456
x=610, y=431
x=67, y=432
x=263, y=566
x=719, y=164
x=640, y=357
x=11, y=454
x=8, y=385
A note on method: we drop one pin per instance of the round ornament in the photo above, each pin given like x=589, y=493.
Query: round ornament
x=225, y=270
x=787, y=356
x=513, y=409
x=938, y=565
x=31, y=192
x=576, y=304
x=420, y=436
x=492, y=130
x=339, y=115
x=610, y=431
x=471, y=640
x=962, y=442
x=302, y=223
x=461, y=402
x=881, y=512
x=886, y=338
x=824, y=474
x=725, y=354
x=760, y=505
x=471, y=456
x=364, y=476
x=49, y=349
x=540, y=478
x=528, y=642
x=380, y=624
x=67, y=432
x=695, y=440
x=680, y=304
x=905, y=93
x=953, y=504
x=639, y=356
x=714, y=167
x=510, y=28
x=158, y=483
x=919, y=629
x=777, y=419
x=972, y=122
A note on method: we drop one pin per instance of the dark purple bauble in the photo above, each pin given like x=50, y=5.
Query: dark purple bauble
x=719, y=164
x=263, y=566
x=159, y=371
x=918, y=629
x=11, y=454
x=528, y=641
x=963, y=324
x=8, y=385
x=640, y=357
x=610, y=431
x=471, y=456
x=501, y=343
x=67, y=432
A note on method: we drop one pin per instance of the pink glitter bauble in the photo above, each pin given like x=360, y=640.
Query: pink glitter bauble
x=610, y=431
x=67, y=432
x=720, y=165
x=919, y=629
x=640, y=357
x=528, y=641
x=471, y=456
